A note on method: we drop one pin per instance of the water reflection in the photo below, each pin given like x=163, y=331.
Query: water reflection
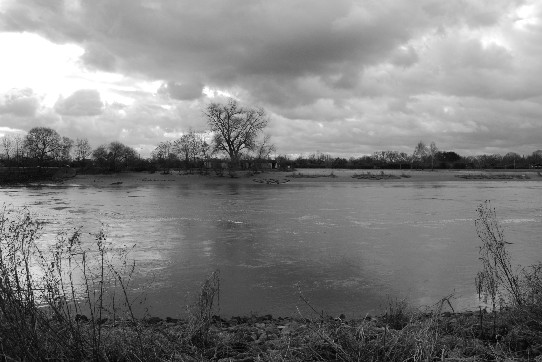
x=346, y=246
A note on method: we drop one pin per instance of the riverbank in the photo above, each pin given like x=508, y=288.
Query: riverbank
x=304, y=176
x=400, y=334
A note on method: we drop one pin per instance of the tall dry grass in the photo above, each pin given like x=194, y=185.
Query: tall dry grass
x=60, y=301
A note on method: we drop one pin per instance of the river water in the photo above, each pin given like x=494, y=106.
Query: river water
x=347, y=247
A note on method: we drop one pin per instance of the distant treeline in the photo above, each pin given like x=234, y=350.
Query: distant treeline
x=43, y=147
x=396, y=160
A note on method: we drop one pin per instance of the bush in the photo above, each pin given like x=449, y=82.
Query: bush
x=46, y=295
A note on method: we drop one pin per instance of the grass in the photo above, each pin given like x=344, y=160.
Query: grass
x=71, y=302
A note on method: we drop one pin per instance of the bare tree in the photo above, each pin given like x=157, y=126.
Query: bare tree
x=432, y=150
x=64, y=151
x=162, y=151
x=114, y=155
x=420, y=152
x=264, y=148
x=235, y=128
x=18, y=145
x=163, y=154
x=42, y=143
x=82, y=149
x=262, y=151
x=190, y=146
x=511, y=159
x=7, y=145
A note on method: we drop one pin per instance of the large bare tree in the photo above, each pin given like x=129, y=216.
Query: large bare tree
x=236, y=128
x=43, y=143
x=190, y=146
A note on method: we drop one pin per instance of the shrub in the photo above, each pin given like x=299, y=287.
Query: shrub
x=46, y=295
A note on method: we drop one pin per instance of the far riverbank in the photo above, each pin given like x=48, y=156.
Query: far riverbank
x=305, y=176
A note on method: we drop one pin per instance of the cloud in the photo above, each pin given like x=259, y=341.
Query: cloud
x=20, y=103
x=84, y=102
x=185, y=91
x=97, y=57
x=235, y=44
x=342, y=76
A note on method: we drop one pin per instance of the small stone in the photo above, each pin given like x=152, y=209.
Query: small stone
x=285, y=331
x=262, y=338
x=153, y=320
x=81, y=318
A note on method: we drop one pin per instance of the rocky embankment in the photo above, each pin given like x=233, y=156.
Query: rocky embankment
x=395, y=336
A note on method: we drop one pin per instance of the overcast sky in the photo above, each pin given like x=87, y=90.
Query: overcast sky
x=346, y=77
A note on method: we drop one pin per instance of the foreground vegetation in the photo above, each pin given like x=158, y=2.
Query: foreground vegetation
x=72, y=301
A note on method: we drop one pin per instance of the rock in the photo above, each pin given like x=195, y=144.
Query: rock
x=262, y=338
x=153, y=320
x=81, y=318
x=285, y=331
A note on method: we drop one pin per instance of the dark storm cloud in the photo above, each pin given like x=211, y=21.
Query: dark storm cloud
x=185, y=91
x=97, y=57
x=334, y=75
x=84, y=102
x=234, y=43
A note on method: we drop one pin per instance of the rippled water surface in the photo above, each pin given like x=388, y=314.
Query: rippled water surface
x=347, y=247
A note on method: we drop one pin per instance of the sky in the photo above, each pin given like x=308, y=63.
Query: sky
x=344, y=77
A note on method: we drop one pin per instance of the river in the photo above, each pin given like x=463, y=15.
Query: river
x=347, y=247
